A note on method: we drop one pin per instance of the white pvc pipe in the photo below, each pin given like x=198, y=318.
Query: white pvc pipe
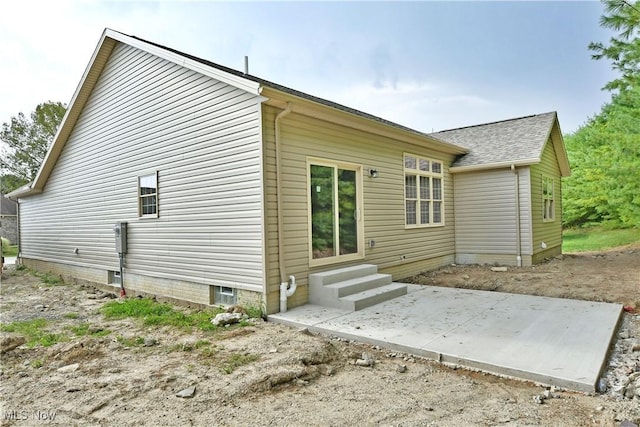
x=518, y=232
x=284, y=285
x=287, y=289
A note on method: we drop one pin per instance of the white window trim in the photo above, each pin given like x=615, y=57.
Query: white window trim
x=418, y=173
x=140, y=197
x=552, y=212
x=314, y=262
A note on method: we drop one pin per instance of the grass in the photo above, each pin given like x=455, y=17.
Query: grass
x=85, y=329
x=35, y=332
x=204, y=347
x=235, y=360
x=153, y=313
x=11, y=250
x=595, y=239
x=130, y=342
x=49, y=279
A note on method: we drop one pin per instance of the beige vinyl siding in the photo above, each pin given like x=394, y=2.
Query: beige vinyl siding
x=203, y=137
x=549, y=232
x=384, y=221
x=485, y=219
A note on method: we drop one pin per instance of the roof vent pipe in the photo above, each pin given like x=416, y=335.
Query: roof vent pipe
x=246, y=64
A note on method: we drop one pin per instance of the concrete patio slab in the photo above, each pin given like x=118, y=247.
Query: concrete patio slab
x=551, y=341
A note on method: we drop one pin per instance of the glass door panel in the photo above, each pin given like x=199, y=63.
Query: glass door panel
x=322, y=211
x=335, y=214
x=348, y=212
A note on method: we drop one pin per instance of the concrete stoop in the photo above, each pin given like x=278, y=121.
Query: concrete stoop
x=353, y=288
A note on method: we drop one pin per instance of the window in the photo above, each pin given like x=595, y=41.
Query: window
x=224, y=295
x=548, y=199
x=114, y=277
x=148, y=195
x=423, y=191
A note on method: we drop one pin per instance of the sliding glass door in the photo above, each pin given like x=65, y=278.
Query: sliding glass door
x=335, y=211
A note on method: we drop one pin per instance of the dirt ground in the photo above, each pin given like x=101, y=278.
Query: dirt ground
x=286, y=377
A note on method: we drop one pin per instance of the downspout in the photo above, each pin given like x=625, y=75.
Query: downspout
x=287, y=285
x=518, y=238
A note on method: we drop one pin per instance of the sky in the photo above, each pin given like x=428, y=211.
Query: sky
x=426, y=65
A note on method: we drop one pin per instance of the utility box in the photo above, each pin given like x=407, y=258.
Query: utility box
x=120, y=231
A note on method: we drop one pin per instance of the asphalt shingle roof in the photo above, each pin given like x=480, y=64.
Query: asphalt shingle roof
x=511, y=140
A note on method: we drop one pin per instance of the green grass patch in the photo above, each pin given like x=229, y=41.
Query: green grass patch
x=596, y=239
x=85, y=329
x=153, y=313
x=10, y=250
x=130, y=342
x=50, y=279
x=35, y=332
x=202, y=346
x=71, y=315
x=235, y=360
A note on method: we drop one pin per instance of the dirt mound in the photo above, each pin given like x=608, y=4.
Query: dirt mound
x=118, y=372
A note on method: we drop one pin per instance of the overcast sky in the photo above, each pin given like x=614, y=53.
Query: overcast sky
x=426, y=65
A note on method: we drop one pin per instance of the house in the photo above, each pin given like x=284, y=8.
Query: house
x=508, y=192
x=236, y=189
x=8, y=219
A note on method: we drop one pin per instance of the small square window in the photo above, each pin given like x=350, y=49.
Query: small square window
x=224, y=295
x=148, y=195
x=114, y=278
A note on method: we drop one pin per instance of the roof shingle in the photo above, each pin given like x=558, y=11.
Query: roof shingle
x=512, y=140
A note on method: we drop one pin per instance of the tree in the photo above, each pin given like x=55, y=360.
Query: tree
x=623, y=50
x=604, y=186
x=26, y=143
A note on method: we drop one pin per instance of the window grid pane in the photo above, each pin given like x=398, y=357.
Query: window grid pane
x=411, y=212
x=424, y=188
x=436, y=167
x=409, y=162
x=411, y=186
x=424, y=212
x=437, y=212
x=424, y=165
x=437, y=188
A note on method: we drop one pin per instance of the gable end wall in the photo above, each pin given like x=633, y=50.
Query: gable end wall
x=146, y=114
x=548, y=232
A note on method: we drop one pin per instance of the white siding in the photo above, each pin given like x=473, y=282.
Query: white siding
x=485, y=216
x=204, y=139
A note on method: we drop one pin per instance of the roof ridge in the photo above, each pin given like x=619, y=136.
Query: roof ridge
x=287, y=89
x=496, y=122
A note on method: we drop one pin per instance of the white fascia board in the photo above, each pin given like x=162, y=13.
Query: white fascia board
x=25, y=190
x=497, y=165
x=233, y=80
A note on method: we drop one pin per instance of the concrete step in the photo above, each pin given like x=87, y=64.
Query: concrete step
x=341, y=274
x=328, y=295
x=359, y=284
x=373, y=296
